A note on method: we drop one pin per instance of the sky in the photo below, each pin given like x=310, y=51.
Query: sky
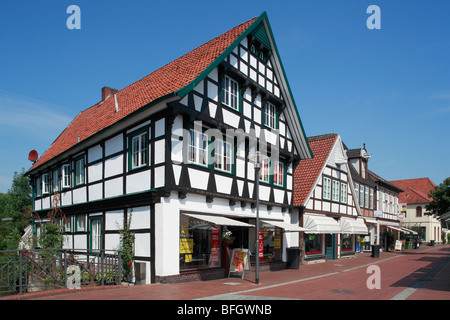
x=388, y=88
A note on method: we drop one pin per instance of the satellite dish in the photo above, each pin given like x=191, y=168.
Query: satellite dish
x=33, y=156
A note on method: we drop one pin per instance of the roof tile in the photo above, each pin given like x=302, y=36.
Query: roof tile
x=307, y=171
x=168, y=79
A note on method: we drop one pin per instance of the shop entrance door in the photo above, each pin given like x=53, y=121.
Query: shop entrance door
x=330, y=244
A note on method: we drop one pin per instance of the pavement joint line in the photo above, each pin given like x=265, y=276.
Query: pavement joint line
x=231, y=295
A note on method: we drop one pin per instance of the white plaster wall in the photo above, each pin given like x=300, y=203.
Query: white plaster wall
x=167, y=225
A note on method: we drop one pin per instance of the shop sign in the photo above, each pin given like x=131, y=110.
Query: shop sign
x=215, y=240
x=239, y=261
x=261, y=244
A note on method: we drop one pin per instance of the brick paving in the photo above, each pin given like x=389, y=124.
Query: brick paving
x=418, y=274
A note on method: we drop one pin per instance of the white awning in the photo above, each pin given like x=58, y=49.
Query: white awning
x=286, y=226
x=320, y=224
x=398, y=229
x=353, y=226
x=407, y=230
x=219, y=220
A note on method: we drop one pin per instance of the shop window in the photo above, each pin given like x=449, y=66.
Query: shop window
x=199, y=244
x=347, y=243
x=271, y=237
x=313, y=244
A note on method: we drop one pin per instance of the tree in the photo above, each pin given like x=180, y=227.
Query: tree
x=441, y=199
x=15, y=211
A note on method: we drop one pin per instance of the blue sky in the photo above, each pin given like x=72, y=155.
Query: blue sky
x=387, y=88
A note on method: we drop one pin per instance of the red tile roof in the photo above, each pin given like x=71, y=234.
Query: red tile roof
x=416, y=190
x=307, y=171
x=166, y=80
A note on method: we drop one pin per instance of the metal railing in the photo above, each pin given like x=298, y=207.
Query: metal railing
x=24, y=271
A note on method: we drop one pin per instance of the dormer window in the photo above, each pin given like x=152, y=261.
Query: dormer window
x=262, y=56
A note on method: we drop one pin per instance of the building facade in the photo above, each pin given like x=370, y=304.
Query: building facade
x=171, y=155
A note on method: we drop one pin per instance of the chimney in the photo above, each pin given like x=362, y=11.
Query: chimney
x=107, y=91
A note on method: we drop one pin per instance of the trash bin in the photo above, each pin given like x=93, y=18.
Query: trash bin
x=375, y=251
x=293, y=258
x=432, y=243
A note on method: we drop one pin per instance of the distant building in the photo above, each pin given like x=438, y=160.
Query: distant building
x=415, y=196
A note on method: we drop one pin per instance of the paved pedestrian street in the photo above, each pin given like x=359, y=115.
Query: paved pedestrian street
x=420, y=274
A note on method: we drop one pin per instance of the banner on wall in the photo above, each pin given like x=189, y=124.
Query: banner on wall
x=215, y=248
x=261, y=244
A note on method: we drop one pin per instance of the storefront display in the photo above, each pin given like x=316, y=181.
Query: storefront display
x=199, y=244
x=347, y=243
x=313, y=244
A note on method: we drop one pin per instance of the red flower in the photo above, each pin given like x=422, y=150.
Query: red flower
x=129, y=264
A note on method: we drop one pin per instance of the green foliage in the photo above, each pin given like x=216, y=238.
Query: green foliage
x=127, y=244
x=52, y=236
x=441, y=199
x=15, y=211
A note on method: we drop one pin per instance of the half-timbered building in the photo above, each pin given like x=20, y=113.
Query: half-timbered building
x=324, y=190
x=170, y=154
x=377, y=199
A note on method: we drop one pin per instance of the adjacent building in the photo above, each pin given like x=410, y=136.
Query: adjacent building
x=329, y=212
x=377, y=200
x=171, y=154
x=415, y=198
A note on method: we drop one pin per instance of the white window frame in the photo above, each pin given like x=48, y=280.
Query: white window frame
x=139, y=150
x=371, y=193
x=270, y=115
x=361, y=196
x=96, y=234
x=65, y=175
x=197, y=148
x=278, y=174
x=344, y=191
x=80, y=168
x=45, y=184
x=366, y=196
x=335, y=190
x=230, y=93
x=222, y=155
x=326, y=187
x=264, y=175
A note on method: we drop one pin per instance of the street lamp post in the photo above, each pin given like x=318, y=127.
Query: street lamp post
x=257, y=171
x=257, y=157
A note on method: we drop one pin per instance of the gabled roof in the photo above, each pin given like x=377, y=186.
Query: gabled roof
x=308, y=171
x=175, y=79
x=415, y=190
